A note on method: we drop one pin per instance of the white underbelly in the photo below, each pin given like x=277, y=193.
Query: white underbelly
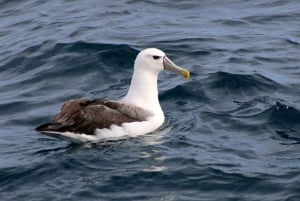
x=132, y=129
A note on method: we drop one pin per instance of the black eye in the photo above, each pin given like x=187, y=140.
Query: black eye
x=156, y=57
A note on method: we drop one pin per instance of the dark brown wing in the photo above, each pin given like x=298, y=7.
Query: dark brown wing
x=84, y=116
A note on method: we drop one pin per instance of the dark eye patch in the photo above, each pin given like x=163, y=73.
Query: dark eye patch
x=156, y=57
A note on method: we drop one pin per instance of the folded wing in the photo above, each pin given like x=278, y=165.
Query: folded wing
x=84, y=116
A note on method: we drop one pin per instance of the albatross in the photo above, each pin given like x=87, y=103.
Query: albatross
x=137, y=113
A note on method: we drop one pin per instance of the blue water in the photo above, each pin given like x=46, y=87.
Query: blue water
x=232, y=131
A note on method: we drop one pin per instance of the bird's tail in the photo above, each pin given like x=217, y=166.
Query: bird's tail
x=50, y=127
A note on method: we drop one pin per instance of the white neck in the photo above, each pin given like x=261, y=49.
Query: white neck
x=143, y=91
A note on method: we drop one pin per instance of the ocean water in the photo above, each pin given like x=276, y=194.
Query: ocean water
x=232, y=131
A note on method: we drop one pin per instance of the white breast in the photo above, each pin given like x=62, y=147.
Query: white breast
x=132, y=129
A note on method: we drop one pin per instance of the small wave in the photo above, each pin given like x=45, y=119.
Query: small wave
x=69, y=55
x=229, y=22
x=289, y=135
x=259, y=115
x=190, y=91
x=273, y=4
x=191, y=44
x=283, y=115
x=278, y=114
x=272, y=18
x=241, y=83
x=293, y=42
x=51, y=63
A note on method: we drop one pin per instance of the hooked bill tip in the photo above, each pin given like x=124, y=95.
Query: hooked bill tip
x=187, y=74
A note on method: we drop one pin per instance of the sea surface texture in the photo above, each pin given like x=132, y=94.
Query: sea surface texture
x=232, y=131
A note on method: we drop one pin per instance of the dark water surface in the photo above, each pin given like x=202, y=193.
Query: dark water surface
x=233, y=130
